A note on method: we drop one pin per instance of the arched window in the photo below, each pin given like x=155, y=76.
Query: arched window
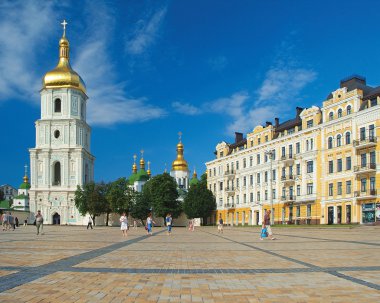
x=349, y=110
x=339, y=113
x=339, y=140
x=331, y=116
x=348, y=138
x=57, y=105
x=329, y=144
x=57, y=174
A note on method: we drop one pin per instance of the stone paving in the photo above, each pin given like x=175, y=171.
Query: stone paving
x=73, y=264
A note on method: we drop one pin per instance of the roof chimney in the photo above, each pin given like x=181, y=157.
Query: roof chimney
x=238, y=137
x=276, y=122
x=268, y=123
x=299, y=110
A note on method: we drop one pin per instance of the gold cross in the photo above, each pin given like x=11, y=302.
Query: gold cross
x=64, y=23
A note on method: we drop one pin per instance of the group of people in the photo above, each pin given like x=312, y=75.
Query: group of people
x=9, y=222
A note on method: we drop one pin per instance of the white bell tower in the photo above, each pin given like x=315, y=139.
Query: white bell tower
x=62, y=158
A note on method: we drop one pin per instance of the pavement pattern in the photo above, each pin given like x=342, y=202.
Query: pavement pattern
x=73, y=264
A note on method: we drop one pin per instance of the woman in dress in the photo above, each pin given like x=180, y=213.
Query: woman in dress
x=124, y=224
x=149, y=224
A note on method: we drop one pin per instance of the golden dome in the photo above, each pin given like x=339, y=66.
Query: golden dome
x=63, y=75
x=148, y=171
x=26, y=179
x=180, y=163
x=134, y=166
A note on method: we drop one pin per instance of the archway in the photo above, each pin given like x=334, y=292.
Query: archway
x=56, y=219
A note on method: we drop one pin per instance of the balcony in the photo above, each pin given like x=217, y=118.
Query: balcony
x=229, y=205
x=367, y=194
x=230, y=190
x=287, y=159
x=288, y=198
x=363, y=169
x=230, y=173
x=362, y=143
x=288, y=179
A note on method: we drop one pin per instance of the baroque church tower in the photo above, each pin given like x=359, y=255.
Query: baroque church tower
x=62, y=158
x=180, y=171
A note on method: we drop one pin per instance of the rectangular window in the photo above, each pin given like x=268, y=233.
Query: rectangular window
x=209, y=172
x=348, y=187
x=237, y=199
x=372, y=183
x=298, y=211
x=298, y=148
x=251, y=197
x=274, y=175
x=258, y=178
x=274, y=194
x=339, y=165
x=373, y=102
x=237, y=182
x=220, y=185
x=214, y=171
x=266, y=138
x=363, y=184
x=258, y=196
x=250, y=161
x=310, y=123
x=331, y=189
x=362, y=133
x=266, y=176
x=266, y=195
x=283, y=151
x=245, y=181
x=258, y=159
x=244, y=163
x=221, y=154
x=309, y=166
x=363, y=160
x=258, y=141
x=371, y=132
x=290, y=151
x=372, y=157
x=245, y=199
x=298, y=169
x=348, y=163
x=265, y=158
x=308, y=210
x=298, y=190
x=339, y=188
x=251, y=179
x=331, y=167
x=237, y=165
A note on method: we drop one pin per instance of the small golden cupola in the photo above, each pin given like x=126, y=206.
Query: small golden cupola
x=63, y=75
x=134, y=166
x=142, y=161
x=148, y=171
x=180, y=164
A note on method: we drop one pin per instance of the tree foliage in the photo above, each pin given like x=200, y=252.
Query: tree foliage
x=140, y=207
x=199, y=202
x=120, y=196
x=91, y=199
x=161, y=193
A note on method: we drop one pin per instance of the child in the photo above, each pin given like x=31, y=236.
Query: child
x=264, y=232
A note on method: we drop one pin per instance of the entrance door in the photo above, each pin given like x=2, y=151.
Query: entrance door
x=348, y=214
x=257, y=217
x=330, y=216
x=56, y=219
x=339, y=214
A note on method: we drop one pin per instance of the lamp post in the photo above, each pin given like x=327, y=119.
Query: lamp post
x=270, y=153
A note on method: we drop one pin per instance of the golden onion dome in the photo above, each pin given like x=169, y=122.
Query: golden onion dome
x=180, y=163
x=148, y=171
x=63, y=75
x=134, y=168
x=142, y=163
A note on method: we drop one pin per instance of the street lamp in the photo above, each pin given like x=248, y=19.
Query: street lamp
x=271, y=153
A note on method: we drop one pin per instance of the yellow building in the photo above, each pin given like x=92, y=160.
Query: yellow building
x=318, y=168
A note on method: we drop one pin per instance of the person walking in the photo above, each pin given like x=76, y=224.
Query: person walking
x=220, y=224
x=26, y=222
x=134, y=224
x=266, y=225
x=89, y=224
x=5, y=221
x=169, y=221
x=124, y=224
x=39, y=222
x=16, y=221
x=149, y=224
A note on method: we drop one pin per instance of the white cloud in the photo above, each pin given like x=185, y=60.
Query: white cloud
x=22, y=35
x=145, y=33
x=284, y=83
x=109, y=104
x=186, y=108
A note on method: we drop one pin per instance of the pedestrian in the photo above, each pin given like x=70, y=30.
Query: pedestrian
x=124, y=224
x=134, y=224
x=190, y=225
x=169, y=221
x=89, y=224
x=26, y=222
x=220, y=224
x=11, y=221
x=16, y=221
x=39, y=222
x=266, y=225
x=5, y=221
x=149, y=224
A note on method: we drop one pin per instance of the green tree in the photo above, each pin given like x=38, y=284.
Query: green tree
x=199, y=202
x=120, y=196
x=140, y=207
x=91, y=199
x=161, y=192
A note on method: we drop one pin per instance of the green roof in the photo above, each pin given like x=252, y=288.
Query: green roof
x=5, y=204
x=194, y=181
x=132, y=179
x=142, y=175
x=24, y=186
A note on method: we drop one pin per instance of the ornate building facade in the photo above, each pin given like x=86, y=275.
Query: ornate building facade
x=61, y=159
x=319, y=168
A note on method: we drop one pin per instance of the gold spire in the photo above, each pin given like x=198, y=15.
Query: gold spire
x=195, y=174
x=180, y=163
x=134, y=166
x=142, y=162
x=26, y=179
x=148, y=171
x=63, y=75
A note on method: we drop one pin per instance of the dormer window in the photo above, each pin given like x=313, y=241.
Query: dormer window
x=349, y=110
x=340, y=113
x=57, y=105
x=331, y=116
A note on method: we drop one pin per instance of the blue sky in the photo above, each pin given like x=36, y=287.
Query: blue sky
x=154, y=68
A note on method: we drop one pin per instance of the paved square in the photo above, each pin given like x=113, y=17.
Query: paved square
x=73, y=264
